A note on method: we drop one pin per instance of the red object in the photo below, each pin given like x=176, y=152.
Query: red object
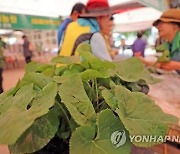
x=126, y=10
x=97, y=4
x=9, y=59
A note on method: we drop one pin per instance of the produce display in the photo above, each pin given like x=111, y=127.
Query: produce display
x=85, y=105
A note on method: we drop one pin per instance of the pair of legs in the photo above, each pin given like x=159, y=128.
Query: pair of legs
x=28, y=59
x=1, y=80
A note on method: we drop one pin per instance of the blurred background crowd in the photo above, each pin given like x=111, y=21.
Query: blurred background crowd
x=131, y=18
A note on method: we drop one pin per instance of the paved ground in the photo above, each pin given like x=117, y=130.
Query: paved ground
x=11, y=77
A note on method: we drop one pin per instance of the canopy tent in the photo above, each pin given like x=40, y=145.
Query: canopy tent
x=126, y=10
x=135, y=20
x=55, y=8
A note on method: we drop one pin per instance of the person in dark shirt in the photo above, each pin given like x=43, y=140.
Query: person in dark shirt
x=26, y=49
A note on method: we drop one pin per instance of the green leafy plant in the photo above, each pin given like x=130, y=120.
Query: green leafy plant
x=165, y=57
x=83, y=106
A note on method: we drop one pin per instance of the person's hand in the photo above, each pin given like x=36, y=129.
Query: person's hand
x=114, y=53
x=172, y=65
x=137, y=54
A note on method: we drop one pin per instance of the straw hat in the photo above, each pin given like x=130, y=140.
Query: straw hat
x=97, y=8
x=171, y=15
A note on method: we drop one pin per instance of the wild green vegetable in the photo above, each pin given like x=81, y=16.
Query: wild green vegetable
x=165, y=57
x=92, y=104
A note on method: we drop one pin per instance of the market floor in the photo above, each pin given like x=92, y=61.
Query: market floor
x=11, y=77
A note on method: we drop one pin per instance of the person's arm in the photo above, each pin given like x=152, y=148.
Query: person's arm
x=61, y=29
x=149, y=63
x=169, y=66
x=99, y=47
x=172, y=65
x=132, y=47
x=60, y=33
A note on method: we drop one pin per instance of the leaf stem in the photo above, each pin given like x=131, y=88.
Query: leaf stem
x=97, y=96
x=65, y=114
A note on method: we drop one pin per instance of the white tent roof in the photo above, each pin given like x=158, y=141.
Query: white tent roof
x=55, y=8
x=139, y=19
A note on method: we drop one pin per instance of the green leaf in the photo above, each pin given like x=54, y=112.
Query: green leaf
x=70, y=72
x=73, y=69
x=64, y=130
x=89, y=91
x=105, y=82
x=12, y=91
x=22, y=112
x=61, y=79
x=83, y=47
x=38, y=135
x=140, y=115
x=161, y=47
x=37, y=67
x=66, y=124
x=149, y=78
x=130, y=70
x=60, y=70
x=77, y=67
x=64, y=135
x=94, y=62
x=66, y=59
x=110, y=99
x=134, y=87
x=32, y=67
x=92, y=74
x=164, y=57
x=107, y=141
x=74, y=97
x=38, y=79
x=13, y=102
x=49, y=72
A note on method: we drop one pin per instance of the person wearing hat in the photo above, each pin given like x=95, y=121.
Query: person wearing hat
x=168, y=26
x=97, y=16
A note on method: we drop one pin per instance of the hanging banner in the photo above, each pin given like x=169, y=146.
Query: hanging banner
x=17, y=21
